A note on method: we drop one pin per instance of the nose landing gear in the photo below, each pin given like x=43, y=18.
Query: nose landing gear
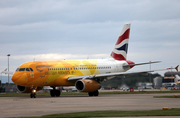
x=33, y=93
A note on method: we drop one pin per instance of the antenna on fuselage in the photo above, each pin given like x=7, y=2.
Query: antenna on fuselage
x=34, y=59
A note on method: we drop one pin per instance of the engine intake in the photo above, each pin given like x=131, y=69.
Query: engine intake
x=87, y=85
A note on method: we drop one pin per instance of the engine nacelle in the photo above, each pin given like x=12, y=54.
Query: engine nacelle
x=24, y=89
x=87, y=85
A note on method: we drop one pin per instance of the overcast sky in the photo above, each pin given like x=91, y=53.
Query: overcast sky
x=80, y=29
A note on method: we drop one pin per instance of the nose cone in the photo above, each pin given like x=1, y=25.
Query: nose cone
x=19, y=78
x=15, y=77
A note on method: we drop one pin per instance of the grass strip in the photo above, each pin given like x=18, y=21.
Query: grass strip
x=166, y=96
x=170, y=112
x=76, y=93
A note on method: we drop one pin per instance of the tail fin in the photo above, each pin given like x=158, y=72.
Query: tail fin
x=121, y=47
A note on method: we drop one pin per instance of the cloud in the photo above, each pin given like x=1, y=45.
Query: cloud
x=55, y=56
x=81, y=29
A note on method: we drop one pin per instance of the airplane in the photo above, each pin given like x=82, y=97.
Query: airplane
x=85, y=75
x=177, y=79
x=172, y=84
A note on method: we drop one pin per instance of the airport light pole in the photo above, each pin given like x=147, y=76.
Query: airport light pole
x=8, y=67
x=150, y=73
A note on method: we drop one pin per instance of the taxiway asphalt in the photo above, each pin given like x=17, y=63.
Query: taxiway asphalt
x=25, y=106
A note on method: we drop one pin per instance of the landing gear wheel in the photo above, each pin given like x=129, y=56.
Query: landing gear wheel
x=90, y=93
x=58, y=93
x=95, y=93
x=52, y=93
x=33, y=95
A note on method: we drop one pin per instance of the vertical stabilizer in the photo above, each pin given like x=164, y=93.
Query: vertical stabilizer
x=121, y=47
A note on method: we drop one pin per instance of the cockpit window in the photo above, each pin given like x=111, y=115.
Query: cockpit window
x=22, y=69
x=17, y=69
x=27, y=69
x=31, y=69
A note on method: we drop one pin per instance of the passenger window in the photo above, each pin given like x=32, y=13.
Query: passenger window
x=27, y=69
x=22, y=69
x=31, y=69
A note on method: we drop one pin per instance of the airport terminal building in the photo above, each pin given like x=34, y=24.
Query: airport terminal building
x=168, y=81
x=170, y=76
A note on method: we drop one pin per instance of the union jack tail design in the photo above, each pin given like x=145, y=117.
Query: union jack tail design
x=121, y=47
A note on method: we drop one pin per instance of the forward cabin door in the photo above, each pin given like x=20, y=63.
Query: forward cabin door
x=41, y=69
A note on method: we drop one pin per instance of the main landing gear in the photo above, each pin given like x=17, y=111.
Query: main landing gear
x=55, y=92
x=95, y=93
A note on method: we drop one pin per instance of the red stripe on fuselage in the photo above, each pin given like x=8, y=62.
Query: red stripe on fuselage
x=123, y=37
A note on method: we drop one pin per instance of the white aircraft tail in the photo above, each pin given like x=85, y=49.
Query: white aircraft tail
x=177, y=79
x=121, y=47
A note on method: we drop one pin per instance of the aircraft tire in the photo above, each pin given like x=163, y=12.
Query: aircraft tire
x=34, y=95
x=91, y=93
x=52, y=93
x=31, y=95
x=58, y=93
x=96, y=93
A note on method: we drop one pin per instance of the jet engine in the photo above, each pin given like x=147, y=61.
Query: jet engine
x=24, y=89
x=87, y=85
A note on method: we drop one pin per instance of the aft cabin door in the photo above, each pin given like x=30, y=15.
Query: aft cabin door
x=115, y=67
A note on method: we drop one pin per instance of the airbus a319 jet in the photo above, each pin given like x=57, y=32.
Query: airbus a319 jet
x=85, y=75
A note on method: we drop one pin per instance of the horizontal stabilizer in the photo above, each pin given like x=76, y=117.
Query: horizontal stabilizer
x=151, y=62
x=174, y=68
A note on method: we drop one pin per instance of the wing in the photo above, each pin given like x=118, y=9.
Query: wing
x=102, y=77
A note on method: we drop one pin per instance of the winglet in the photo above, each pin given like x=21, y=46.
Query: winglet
x=177, y=67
